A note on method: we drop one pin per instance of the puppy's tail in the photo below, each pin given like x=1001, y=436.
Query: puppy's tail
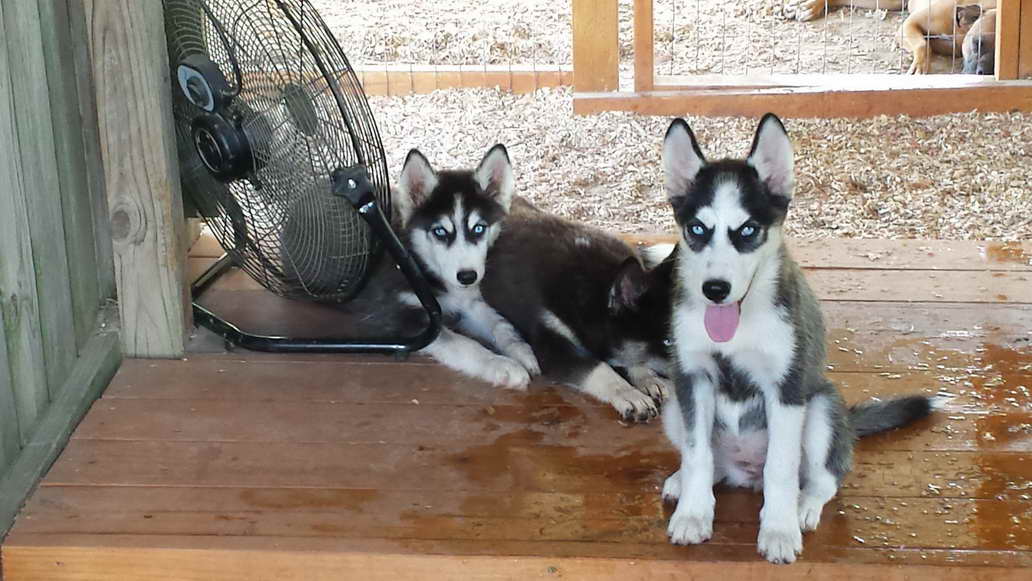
x=872, y=417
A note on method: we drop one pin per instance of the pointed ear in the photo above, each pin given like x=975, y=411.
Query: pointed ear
x=417, y=182
x=772, y=156
x=494, y=174
x=682, y=161
x=630, y=284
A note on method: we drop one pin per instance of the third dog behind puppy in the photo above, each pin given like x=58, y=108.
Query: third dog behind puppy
x=585, y=303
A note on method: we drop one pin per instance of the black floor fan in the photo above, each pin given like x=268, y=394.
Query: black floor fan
x=280, y=153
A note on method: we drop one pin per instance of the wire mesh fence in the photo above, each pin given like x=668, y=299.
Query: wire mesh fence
x=754, y=37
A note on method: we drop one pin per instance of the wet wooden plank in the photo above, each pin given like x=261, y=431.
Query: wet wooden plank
x=505, y=463
x=928, y=523
x=586, y=427
x=994, y=386
x=61, y=557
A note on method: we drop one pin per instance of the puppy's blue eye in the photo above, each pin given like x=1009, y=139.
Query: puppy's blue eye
x=697, y=229
x=747, y=231
x=668, y=342
x=479, y=229
x=439, y=232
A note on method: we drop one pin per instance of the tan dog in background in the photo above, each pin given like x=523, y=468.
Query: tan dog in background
x=938, y=26
x=980, y=45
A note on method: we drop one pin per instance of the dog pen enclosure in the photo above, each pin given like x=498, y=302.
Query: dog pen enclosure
x=782, y=83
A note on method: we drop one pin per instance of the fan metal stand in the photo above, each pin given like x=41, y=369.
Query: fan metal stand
x=351, y=183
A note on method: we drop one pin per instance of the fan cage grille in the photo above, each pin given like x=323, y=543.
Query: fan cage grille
x=282, y=225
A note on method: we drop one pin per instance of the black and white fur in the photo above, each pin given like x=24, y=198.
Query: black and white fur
x=587, y=306
x=762, y=394
x=449, y=220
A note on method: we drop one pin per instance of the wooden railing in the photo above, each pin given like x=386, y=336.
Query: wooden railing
x=793, y=95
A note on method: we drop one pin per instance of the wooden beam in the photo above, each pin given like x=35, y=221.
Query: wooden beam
x=130, y=70
x=596, y=45
x=644, y=46
x=77, y=558
x=89, y=376
x=404, y=80
x=829, y=82
x=1025, y=41
x=814, y=101
x=1008, y=15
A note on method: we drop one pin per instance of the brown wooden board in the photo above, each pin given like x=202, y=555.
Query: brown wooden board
x=813, y=102
x=596, y=45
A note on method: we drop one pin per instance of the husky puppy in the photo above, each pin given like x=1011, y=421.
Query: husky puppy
x=448, y=220
x=585, y=303
x=749, y=351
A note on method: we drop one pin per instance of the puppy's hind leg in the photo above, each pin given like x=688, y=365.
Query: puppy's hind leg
x=569, y=363
x=912, y=37
x=467, y=356
x=827, y=453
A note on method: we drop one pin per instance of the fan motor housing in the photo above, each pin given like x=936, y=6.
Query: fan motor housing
x=222, y=147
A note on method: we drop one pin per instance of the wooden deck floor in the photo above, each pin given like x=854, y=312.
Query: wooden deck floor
x=245, y=466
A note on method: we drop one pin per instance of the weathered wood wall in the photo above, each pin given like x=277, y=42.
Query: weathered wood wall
x=57, y=349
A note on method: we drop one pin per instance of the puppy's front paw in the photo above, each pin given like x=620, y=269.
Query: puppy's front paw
x=633, y=405
x=686, y=528
x=505, y=372
x=672, y=487
x=651, y=384
x=522, y=352
x=780, y=545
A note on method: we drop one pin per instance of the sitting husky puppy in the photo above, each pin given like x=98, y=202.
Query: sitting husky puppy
x=449, y=221
x=585, y=303
x=749, y=351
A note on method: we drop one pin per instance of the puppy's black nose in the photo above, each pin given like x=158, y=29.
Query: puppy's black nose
x=716, y=290
x=467, y=277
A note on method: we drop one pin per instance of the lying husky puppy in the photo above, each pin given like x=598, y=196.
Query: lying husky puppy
x=448, y=220
x=749, y=351
x=585, y=303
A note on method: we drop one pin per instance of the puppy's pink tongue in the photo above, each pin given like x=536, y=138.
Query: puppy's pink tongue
x=721, y=321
